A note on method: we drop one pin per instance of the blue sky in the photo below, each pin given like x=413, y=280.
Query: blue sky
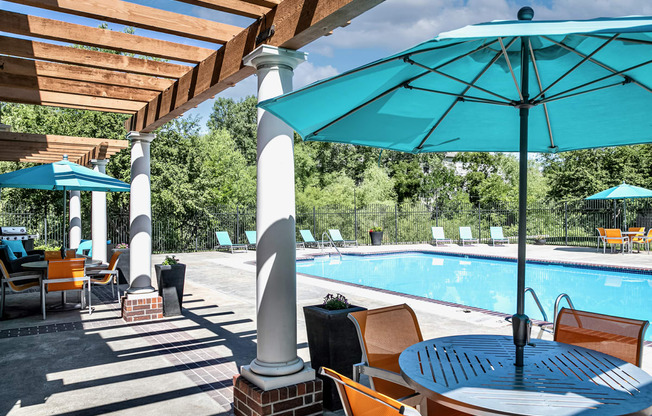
x=392, y=26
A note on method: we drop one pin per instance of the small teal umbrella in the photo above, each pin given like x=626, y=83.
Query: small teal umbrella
x=501, y=86
x=624, y=192
x=64, y=176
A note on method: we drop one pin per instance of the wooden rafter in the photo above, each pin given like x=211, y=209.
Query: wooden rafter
x=264, y=3
x=27, y=96
x=66, y=54
x=39, y=27
x=42, y=148
x=130, y=14
x=28, y=67
x=294, y=29
x=76, y=87
x=238, y=7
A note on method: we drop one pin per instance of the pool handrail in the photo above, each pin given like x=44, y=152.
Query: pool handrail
x=536, y=299
x=556, y=310
x=325, y=233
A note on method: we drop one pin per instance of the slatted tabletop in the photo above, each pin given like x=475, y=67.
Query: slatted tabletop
x=476, y=374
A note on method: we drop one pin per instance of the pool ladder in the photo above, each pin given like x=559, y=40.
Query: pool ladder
x=325, y=233
x=561, y=297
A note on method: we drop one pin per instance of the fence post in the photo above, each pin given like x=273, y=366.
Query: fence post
x=237, y=224
x=479, y=224
x=566, y=222
x=395, y=223
x=314, y=221
x=196, y=232
x=45, y=225
x=355, y=217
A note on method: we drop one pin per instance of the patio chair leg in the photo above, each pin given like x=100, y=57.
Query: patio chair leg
x=2, y=300
x=43, y=299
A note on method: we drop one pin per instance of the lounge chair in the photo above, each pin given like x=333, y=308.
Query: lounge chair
x=309, y=240
x=438, y=236
x=17, y=282
x=620, y=337
x=224, y=242
x=85, y=249
x=497, y=236
x=601, y=236
x=644, y=240
x=613, y=237
x=466, y=237
x=337, y=238
x=359, y=400
x=251, y=239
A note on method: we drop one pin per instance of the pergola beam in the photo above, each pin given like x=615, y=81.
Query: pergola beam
x=28, y=67
x=224, y=68
x=26, y=96
x=130, y=14
x=39, y=27
x=76, y=87
x=239, y=7
x=66, y=54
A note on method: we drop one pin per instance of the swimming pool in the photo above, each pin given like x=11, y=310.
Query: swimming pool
x=491, y=283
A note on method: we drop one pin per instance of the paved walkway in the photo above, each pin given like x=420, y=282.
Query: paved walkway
x=75, y=364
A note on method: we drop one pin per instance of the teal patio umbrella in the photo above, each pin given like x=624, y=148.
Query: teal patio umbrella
x=624, y=192
x=504, y=86
x=63, y=176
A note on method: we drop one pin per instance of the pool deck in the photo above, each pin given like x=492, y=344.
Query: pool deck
x=76, y=364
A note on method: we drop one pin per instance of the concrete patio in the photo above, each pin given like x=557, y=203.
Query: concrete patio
x=77, y=364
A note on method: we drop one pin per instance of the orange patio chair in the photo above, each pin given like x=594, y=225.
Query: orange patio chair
x=71, y=253
x=384, y=333
x=104, y=276
x=16, y=282
x=601, y=236
x=644, y=239
x=613, y=335
x=613, y=236
x=53, y=255
x=359, y=400
x=64, y=275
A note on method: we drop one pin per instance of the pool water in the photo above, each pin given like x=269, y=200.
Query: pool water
x=491, y=284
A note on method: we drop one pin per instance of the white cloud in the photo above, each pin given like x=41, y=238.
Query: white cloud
x=247, y=86
x=307, y=73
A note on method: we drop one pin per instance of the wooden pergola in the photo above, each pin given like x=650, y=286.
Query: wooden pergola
x=36, y=68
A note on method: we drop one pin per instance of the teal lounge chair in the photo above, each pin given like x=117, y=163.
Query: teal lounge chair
x=309, y=240
x=337, y=238
x=497, y=236
x=466, y=237
x=438, y=236
x=85, y=248
x=224, y=242
x=251, y=238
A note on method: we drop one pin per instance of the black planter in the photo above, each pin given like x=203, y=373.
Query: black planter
x=376, y=237
x=539, y=241
x=170, y=281
x=333, y=343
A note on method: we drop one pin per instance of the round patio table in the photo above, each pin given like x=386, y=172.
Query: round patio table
x=630, y=235
x=476, y=374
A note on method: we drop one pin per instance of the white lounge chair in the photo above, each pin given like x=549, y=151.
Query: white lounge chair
x=497, y=236
x=438, y=236
x=466, y=236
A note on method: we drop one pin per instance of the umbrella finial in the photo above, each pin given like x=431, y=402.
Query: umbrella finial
x=525, y=13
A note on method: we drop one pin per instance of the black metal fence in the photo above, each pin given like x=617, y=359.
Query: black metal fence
x=566, y=223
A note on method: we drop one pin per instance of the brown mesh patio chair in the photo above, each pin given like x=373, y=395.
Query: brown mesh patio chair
x=359, y=400
x=53, y=255
x=614, y=237
x=613, y=335
x=384, y=333
x=106, y=275
x=644, y=240
x=16, y=282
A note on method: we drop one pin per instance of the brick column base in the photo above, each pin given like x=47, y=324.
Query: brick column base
x=303, y=399
x=142, y=309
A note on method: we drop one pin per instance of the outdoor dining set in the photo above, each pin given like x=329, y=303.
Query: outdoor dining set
x=624, y=239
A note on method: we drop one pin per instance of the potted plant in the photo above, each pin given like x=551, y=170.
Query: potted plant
x=123, y=262
x=539, y=240
x=332, y=341
x=376, y=234
x=170, y=276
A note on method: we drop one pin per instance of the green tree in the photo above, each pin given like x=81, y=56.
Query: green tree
x=239, y=119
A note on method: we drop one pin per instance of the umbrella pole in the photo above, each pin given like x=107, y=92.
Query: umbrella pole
x=65, y=208
x=520, y=322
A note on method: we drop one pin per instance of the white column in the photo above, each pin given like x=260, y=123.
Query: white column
x=140, y=215
x=98, y=216
x=276, y=363
x=74, y=232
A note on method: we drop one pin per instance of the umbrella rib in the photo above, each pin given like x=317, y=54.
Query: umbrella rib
x=462, y=97
x=511, y=70
x=577, y=65
x=557, y=97
x=434, y=70
x=545, y=106
x=601, y=64
x=626, y=81
x=477, y=77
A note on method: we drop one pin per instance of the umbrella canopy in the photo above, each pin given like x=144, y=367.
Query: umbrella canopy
x=623, y=191
x=62, y=175
x=494, y=87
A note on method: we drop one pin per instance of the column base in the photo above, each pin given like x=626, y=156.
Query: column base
x=142, y=307
x=297, y=398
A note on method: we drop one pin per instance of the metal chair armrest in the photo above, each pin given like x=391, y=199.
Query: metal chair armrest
x=396, y=378
x=100, y=272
